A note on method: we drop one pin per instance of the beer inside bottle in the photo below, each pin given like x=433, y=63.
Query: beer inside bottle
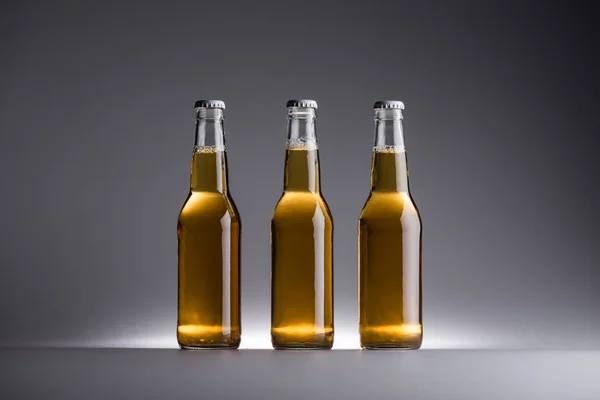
x=208, y=231
x=302, y=243
x=389, y=253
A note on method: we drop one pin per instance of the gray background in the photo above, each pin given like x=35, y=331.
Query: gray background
x=96, y=122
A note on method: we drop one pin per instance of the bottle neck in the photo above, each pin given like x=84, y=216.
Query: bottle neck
x=389, y=171
x=209, y=161
x=302, y=154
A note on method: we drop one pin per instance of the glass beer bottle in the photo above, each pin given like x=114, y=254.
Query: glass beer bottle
x=302, y=243
x=208, y=232
x=389, y=237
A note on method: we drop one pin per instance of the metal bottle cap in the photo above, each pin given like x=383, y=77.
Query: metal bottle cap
x=210, y=104
x=303, y=103
x=389, y=104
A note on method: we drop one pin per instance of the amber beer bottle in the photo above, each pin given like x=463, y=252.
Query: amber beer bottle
x=389, y=236
x=302, y=243
x=208, y=232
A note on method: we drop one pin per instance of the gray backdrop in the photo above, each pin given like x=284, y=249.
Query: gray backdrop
x=96, y=116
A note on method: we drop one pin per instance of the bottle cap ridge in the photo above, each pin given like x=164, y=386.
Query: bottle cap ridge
x=388, y=104
x=210, y=104
x=303, y=103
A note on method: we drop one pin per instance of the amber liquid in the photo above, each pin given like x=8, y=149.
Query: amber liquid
x=208, y=231
x=302, y=258
x=389, y=232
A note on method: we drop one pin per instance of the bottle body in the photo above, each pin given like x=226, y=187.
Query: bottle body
x=389, y=247
x=209, y=232
x=302, y=253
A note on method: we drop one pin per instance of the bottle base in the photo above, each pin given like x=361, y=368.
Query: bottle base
x=406, y=343
x=391, y=346
x=302, y=346
x=399, y=337
x=301, y=338
x=200, y=337
x=224, y=346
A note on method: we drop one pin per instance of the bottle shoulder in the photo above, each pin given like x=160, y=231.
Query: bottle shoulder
x=389, y=205
x=208, y=206
x=301, y=205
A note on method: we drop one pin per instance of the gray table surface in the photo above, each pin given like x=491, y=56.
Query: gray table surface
x=266, y=374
